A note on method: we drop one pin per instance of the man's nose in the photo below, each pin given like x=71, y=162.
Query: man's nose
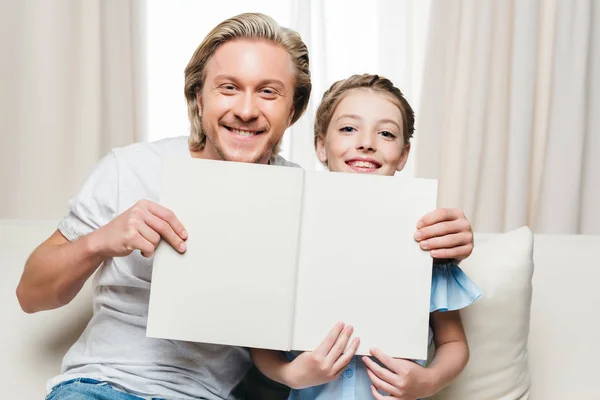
x=247, y=109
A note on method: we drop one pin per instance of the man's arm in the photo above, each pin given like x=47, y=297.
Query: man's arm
x=56, y=271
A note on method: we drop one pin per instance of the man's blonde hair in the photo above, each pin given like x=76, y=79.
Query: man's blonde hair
x=245, y=26
x=335, y=94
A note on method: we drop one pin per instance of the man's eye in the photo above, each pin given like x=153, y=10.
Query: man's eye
x=269, y=92
x=228, y=87
x=387, y=134
x=347, y=129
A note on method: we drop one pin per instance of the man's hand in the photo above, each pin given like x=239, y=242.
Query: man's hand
x=326, y=362
x=447, y=233
x=140, y=228
x=403, y=379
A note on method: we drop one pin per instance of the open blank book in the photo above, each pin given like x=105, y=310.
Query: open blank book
x=277, y=255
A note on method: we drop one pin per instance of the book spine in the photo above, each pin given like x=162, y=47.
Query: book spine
x=297, y=264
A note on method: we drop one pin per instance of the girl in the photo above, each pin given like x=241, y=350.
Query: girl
x=364, y=125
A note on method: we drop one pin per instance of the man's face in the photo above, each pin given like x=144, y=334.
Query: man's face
x=246, y=102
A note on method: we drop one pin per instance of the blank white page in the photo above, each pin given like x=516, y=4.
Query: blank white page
x=236, y=282
x=359, y=262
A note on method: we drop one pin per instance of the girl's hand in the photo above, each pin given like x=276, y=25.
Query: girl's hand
x=446, y=232
x=403, y=379
x=326, y=362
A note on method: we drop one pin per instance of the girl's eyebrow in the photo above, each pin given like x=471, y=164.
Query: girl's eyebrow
x=389, y=121
x=358, y=118
x=351, y=116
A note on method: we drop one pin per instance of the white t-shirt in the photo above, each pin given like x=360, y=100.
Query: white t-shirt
x=114, y=347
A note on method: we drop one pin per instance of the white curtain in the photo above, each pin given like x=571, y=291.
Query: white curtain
x=510, y=113
x=346, y=37
x=73, y=75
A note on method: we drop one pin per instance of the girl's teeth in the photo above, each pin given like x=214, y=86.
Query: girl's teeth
x=363, y=164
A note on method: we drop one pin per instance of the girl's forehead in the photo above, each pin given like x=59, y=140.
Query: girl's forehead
x=368, y=103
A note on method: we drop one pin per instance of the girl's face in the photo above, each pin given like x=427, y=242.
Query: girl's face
x=364, y=135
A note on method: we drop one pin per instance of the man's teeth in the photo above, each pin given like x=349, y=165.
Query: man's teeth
x=244, y=133
x=363, y=164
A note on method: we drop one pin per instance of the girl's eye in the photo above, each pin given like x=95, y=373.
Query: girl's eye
x=387, y=134
x=347, y=129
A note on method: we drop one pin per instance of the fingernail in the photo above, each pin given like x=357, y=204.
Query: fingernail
x=419, y=224
x=418, y=235
x=424, y=244
x=183, y=246
x=184, y=235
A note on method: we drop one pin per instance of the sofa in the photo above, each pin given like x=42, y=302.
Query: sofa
x=559, y=356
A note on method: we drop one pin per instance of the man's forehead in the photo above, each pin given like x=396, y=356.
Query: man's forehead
x=251, y=58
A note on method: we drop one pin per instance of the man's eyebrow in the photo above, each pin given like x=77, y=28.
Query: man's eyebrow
x=232, y=78
x=225, y=77
x=271, y=82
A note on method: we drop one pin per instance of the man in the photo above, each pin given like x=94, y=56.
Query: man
x=246, y=83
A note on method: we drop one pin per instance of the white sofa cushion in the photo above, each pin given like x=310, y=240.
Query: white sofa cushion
x=32, y=346
x=497, y=325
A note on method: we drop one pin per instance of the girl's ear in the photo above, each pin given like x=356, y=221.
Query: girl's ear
x=321, y=150
x=403, y=157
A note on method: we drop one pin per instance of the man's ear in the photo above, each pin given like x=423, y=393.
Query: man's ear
x=403, y=157
x=321, y=150
x=291, y=117
x=199, y=102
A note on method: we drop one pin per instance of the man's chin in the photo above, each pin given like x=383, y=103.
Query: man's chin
x=253, y=157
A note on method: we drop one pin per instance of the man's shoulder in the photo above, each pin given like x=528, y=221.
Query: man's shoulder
x=143, y=161
x=282, y=162
x=160, y=148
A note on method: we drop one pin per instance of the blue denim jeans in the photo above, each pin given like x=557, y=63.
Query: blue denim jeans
x=87, y=389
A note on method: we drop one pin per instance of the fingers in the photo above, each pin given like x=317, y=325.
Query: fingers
x=143, y=245
x=443, y=228
x=458, y=253
x=447, y=233
x=343, y=361
x=382, y=357
x=167, y=215
x=327, y=343
x=379, y=396
x=381, y=384
x=383, y=373
x=148, y=233
x=440, y=215
x=165, y=230
x=340, y=344
x=447, y=241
